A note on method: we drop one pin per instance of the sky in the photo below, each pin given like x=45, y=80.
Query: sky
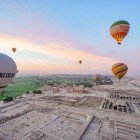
x=51, y=36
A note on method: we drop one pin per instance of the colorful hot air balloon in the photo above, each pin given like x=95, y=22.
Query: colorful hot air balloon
x=8, y=70
x=119, y=70
x=119, y=30
x=14, y=49
x=80, y=61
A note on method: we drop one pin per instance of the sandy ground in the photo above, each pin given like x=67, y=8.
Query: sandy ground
x=20, y=126
x=38, y=117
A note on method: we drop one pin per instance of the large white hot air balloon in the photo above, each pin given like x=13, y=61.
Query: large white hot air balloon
x=8, y=70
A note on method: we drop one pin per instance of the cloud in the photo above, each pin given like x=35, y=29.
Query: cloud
x=65, y=56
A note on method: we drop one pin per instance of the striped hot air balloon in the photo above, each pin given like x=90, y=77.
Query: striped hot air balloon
x=119, y=30
x=119, y=70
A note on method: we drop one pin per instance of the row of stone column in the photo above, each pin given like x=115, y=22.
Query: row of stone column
x=123, y=108
x=125, y=97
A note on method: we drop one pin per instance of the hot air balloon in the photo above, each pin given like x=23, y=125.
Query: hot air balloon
x=80, y=61
x=119, y=70
x=97, y=77
x=119, y=30
x=8, y=70
x=14, y=49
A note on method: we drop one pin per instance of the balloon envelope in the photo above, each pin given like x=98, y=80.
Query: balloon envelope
x=80, y=61
x=119, y=70
x=119, y=30
x=8, y=70
x=14, y=49
x=97, y=77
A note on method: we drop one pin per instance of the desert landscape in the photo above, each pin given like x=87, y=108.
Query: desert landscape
x=100, y=112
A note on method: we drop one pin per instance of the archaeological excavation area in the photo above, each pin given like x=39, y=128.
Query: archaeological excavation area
x=105, y=112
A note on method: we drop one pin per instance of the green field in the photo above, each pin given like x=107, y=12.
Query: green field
x=20, y=87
